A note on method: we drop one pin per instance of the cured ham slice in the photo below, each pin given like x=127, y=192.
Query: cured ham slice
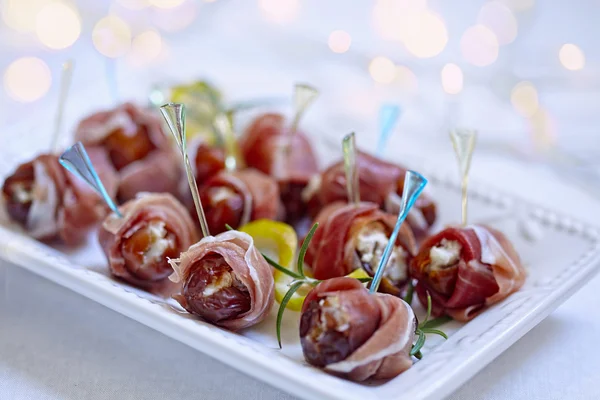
x=266, y=146
x=50, y=203
x=225, y=281
x=351, y=236
x=380, y=182
x=466, y=270
x=137, y=246
x=209, y=161
x=137, y=147
x=357, y=335
x=238, y=197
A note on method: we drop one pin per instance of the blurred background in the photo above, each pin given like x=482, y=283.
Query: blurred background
x=522, y=72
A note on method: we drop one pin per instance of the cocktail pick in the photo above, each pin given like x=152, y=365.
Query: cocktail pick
x=65, y=84
x=463, y=141
x=76, y=160
x=352, y=183
x=304, y=96
x=224, y=124
x=414, y=183
x=388, y=116
x=174, y=114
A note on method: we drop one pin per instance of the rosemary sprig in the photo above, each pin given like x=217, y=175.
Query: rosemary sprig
x=293, y=289
x=425, y=327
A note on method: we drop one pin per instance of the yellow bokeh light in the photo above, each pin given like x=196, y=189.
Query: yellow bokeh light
x=166, y=3
x=20, y=15
x=425, y=35
x=111, y=36
x=279, y=11
x=543, y=130
x=57, y=26
x=452, y=78
x=339, y=41
x=406, y=80
x=391, y=16
x=479, y=46
x=146, y=46
x=524, y=98
x=382, y=70
x=134, y=4
x=27, y=79
x=500, y=19
x=571, y=57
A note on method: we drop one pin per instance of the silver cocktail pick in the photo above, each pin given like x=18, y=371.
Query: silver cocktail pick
x=350, y=168
x=65, y=84
x=463, y=141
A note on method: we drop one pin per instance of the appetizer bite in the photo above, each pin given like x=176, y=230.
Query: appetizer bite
x=224, y=279
x=380, y=182
x=151, y=229
x=350, y=332
x=51, y=204
x=354, y=236
x=281, y=150
x=238, y=197
x=138, y=148
x=465, y=270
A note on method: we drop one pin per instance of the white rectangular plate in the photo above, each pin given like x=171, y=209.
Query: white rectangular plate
x=560, y=255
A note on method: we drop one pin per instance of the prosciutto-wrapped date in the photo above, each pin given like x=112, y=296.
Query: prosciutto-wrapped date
x=49, y=203
x=138, y=149
x=380, y=182
x=354, y=236
x=209, y=161
x=238, y=197
x=465, y=270
x=266, y=146
x=225, y=281
x=154, y=228
x=350, y=332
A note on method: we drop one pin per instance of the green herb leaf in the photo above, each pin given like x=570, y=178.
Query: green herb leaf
x=229, y=228
x=366, y=279
x=293, y=288
x=428, y=311
x=434, y=323
x=419, y=343
x=410, y=291
x=283, y=269
x=435, y=332
x=304, y=248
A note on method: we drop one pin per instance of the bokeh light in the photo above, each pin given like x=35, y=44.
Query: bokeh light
x=500, y=20
x=20, y=15
x=175, y=19
x=390, y=17
x=425, y=34
x=145, y=47
x=406, y=80
x=27, y=79
x=519, y=5
x=382, y=70
x=544, y=131
x=166, y=3
x=111, y=36
x=57, y=26
x=479, y=46
x=452, y=78
x=571, y=57
x=524, y=98
x=134, y=4
x=339, y=41
x=279, y=11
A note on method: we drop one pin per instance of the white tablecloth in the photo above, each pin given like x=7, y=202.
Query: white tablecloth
x=55, y=344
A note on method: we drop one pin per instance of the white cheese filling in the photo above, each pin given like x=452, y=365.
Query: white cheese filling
x=220, y=194
x=332, y=315
x=371, y=242
x=159, y=242
x=225, y=280
x=447, y=253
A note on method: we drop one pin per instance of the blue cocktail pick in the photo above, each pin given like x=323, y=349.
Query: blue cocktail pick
x=388, y=116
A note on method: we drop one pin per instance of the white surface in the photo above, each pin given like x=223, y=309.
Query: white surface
x=57, y=345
